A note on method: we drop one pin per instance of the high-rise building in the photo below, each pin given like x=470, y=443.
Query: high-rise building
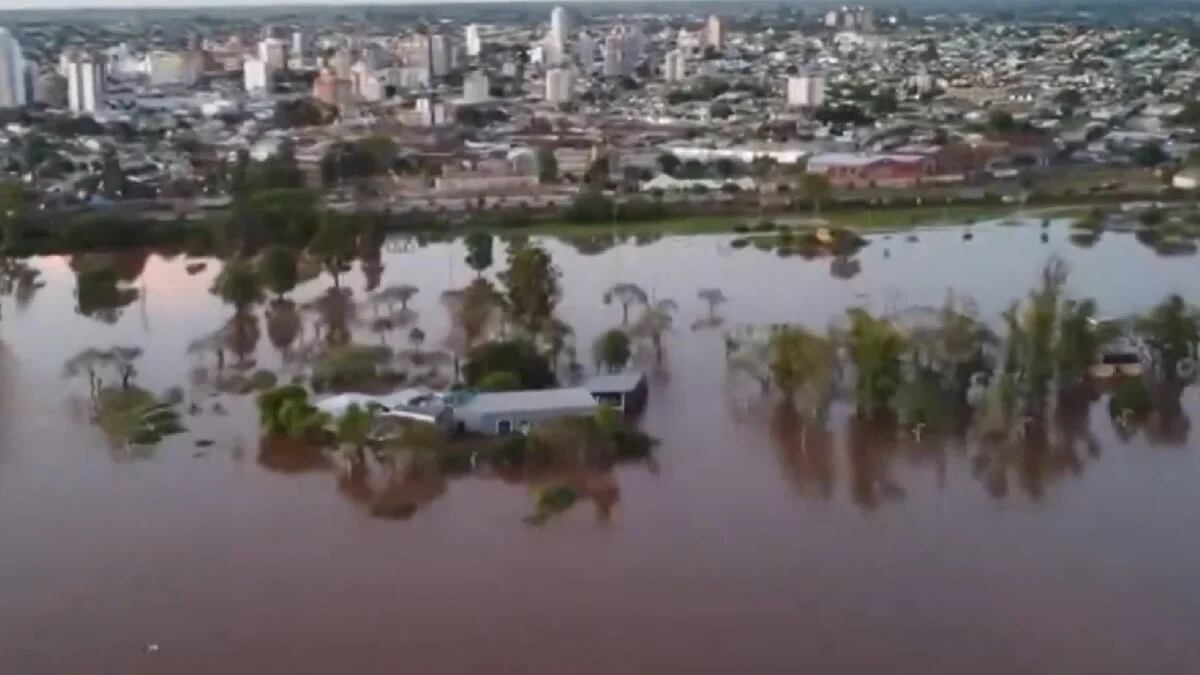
x=441, y=54
x=715, y=35
x=585, y=50
x=623, y=49
x=299, y=44
x=474, y=41
x=476, y=88
x=806, y=90
x=558, y=85
x=86, y=83
x=273, y=52
x=674, y=66
x=12, y=72
x=256, y=76
x=50, y=89
x=560, y=26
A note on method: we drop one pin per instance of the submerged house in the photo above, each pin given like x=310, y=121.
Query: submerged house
x=501, y=413
x=626, y=392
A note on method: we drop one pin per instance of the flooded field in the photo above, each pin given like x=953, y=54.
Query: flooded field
x=742, y=548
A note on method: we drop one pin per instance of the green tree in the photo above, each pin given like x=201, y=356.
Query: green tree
x=499, y=381
x=479, y=252
x=533, y=287
x=547, y=165
x=12, y=215
x=1172, y=331
x=817, y=189
x=277, y=269
x=335, y=245
x=613, y=350
x=668, y=163
x=877, y=349
x=1001, y=121
x=519, y=357
x=239, y=285
x=353, y=431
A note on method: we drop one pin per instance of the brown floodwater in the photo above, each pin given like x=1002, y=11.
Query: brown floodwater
x=742, y=549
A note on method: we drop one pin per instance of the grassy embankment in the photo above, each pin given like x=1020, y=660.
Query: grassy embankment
x=862, y=219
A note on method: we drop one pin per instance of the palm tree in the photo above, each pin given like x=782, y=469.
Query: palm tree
x=556, y=336
x=656, y=320
x=714, y=297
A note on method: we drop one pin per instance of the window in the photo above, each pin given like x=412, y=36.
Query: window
x=524, y=426
x=504, y=427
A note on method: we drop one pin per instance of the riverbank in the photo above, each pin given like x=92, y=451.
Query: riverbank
x=201, y=233
x=874, y=219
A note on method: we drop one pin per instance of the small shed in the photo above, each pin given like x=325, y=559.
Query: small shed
x=501, y=413
x=626, y=392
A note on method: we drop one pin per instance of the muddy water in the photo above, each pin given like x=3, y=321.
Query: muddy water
x=744, y=550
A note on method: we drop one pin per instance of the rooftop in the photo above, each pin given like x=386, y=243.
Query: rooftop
x=545, y=399
x=609, y=382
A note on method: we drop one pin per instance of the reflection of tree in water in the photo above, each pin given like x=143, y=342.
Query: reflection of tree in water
x=1168, y=425
x=241, y=338
x=1041, y=452
x=843, y=267
x=592, y=244
x=395, y=495
x=806, y=451
x=283, y=326
x=19, y=280
x=289, y=456
x=335, y=311
x=100, y=290
x=870, y=447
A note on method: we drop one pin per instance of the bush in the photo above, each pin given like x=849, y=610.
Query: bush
x=350, y=366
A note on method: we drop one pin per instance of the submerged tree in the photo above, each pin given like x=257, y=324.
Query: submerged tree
x=627, y=295
x=1172, y=332
x=277, y=269
x=479, y=251
x=802, y=367
x=239, y=285
x=654, y=323
x=532, y=281
x=335, y=245
x=613, y=350
x=714, y=298
x=878, y=350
